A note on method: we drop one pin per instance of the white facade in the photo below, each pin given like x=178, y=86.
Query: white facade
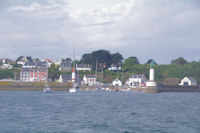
x=83, y=67
x=6, y=66
x=21, y=62
x=89, y=80
x=57, y=62
x=33, y=74
x=188, y=81
x=114, y=68
x=117, y=82
x=29, y=66
x=136, y=80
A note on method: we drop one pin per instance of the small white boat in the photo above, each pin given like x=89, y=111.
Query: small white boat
x=47, y=90
x=72, y=90
x=108, y=89
x=129, y=89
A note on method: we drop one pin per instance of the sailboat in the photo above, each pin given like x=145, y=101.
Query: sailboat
x=47, y=89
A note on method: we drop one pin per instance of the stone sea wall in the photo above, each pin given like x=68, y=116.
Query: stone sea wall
x=38, y=86
x=164, y=88
x=18, y=86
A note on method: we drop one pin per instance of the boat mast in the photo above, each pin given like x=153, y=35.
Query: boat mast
x=74, y=71
x=46, y=80
x=96, y=69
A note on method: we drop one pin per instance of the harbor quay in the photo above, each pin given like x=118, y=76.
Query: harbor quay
x=18, y=86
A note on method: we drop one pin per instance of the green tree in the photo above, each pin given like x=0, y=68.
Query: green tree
x=129, y=62
x=67, y=59
x=116, y=58
x=179, y=61
x=102, y=56
x=53, y=72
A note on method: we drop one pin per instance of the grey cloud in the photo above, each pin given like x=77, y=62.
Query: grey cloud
x=162, y=30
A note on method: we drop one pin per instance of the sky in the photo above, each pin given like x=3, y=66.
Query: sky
x=162, y=30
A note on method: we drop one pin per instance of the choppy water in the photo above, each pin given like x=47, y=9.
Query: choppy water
x=99, y=112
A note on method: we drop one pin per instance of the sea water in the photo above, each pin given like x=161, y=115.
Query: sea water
x=99, y=112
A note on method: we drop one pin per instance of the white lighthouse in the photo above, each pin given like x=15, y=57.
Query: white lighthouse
x=151, y=82
x=73, y=75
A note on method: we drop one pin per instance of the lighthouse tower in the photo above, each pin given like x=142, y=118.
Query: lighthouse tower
x=151, y=82
x=73, y=75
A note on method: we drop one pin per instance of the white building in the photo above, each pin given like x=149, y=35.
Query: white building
x=29, y=65
x=38, y=64
x=114, y=68
x=117, y=82
x=48, y=61
x=6, y=66
x=188, y=81
x=66, y=66
x=83, y=67
x=22, y=61
x=89, y=80
x=136, y=80
x=57, y=62
x=33, y=75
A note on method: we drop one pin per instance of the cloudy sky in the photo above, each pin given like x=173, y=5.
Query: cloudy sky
x=158, y=29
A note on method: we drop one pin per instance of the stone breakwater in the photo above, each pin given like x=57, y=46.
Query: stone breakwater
x=164, y=88
x=177, y=88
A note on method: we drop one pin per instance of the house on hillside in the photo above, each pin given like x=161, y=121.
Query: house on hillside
x=83, y=67
x=29, y=65
x=33, y=75
x=57, y=62
x=6, y=64
x=136, y=80
x=117, y=82
x=37, y=64
x=48, y=61
x=188, y=81
x=6, y=61
x=66, y=66
x=114, y=68
x=22, y=61
x=89, y=80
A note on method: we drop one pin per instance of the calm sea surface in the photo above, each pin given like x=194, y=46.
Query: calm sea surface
x=99, y=112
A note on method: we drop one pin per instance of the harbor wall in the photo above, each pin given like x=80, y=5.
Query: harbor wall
x=35, y=86
x=165, y=88
x=39, y=86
